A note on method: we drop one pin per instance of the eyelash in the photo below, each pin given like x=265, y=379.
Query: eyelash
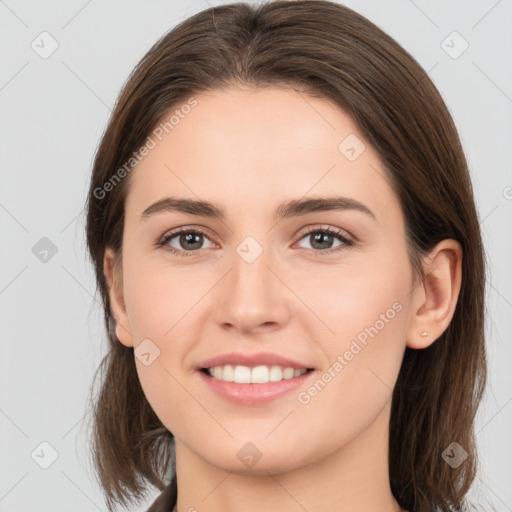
x=328, y=230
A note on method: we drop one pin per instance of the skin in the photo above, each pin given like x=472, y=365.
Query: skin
x=249, y=150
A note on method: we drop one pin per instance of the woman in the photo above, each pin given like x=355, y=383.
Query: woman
x=284, y=235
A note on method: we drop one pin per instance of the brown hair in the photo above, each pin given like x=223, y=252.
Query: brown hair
x=331, y=52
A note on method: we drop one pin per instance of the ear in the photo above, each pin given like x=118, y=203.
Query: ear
x=435, y=298
x=112, y=268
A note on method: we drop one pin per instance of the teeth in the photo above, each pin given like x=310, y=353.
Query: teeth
x=257, y=375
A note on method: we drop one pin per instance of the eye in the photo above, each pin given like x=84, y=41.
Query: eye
x=182, y=241
x=187, y=240
x=322, y=239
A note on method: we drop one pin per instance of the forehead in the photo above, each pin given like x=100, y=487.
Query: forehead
x=248, y=146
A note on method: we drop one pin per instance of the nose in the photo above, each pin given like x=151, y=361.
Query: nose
x=252, y=296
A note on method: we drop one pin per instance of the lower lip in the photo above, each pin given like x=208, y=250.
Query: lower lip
x=254, y=394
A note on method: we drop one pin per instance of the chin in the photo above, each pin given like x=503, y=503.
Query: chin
x=258, y=459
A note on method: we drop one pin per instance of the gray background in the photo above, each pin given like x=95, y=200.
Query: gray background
x=53, y=112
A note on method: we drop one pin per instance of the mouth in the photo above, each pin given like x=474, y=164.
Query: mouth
x=254, y=385
x=262, y=374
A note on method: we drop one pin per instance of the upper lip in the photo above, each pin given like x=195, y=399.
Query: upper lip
x=257, y=359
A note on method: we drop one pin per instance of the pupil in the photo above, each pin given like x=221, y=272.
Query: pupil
x=318, y=237
x=192, y=238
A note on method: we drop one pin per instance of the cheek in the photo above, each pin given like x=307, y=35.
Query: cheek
x=162, y=306
x=156, y=297
x=363, y=300
x=367, y=314
x=365, y=311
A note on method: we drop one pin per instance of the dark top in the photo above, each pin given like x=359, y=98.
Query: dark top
x=166, y=501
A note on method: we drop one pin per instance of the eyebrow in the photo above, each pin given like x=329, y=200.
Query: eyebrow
x=288, y=209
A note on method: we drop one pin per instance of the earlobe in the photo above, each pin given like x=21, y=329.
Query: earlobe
x=435, y=298
x=113, y=275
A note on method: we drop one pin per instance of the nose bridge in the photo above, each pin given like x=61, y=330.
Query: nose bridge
x=251, y=295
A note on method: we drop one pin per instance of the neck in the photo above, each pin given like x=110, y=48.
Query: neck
x=354, y=478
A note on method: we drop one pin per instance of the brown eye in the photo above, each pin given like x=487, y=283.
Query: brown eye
x=181, y=241
x=322, y=239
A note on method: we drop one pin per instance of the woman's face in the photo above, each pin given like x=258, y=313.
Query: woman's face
x=256, y=281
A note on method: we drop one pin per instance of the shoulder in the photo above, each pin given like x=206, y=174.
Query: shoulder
x=166, y=500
